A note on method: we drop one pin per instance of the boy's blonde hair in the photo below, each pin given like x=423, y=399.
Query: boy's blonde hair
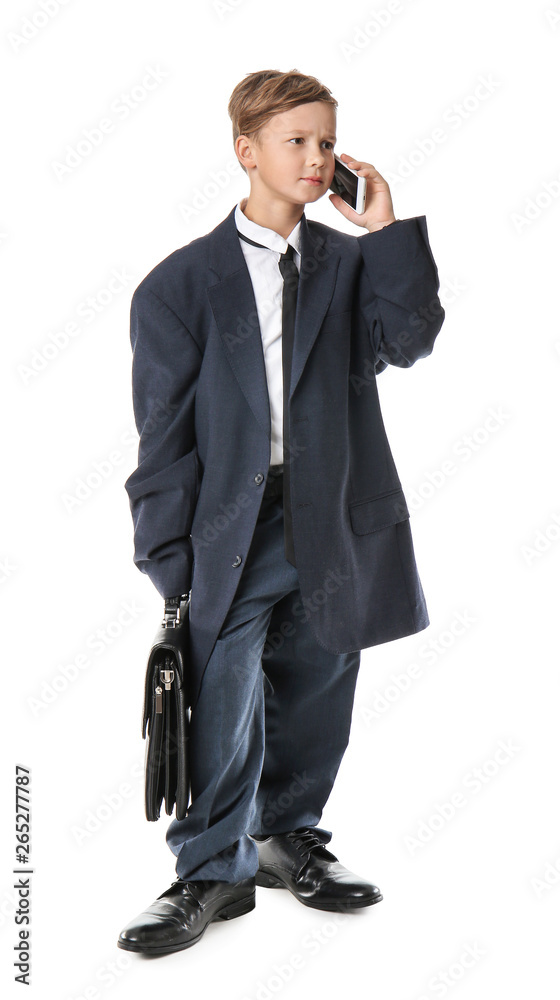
x=269, y=92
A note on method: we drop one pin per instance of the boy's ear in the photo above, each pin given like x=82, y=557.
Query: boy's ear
x=243, y=151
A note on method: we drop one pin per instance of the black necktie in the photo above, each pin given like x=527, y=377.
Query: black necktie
x=290, y=274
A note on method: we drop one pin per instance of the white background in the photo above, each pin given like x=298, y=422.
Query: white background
x=483, y=491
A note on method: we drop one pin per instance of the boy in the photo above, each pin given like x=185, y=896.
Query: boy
x=266, y=488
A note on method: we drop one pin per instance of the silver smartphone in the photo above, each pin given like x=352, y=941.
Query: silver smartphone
x=349, y=185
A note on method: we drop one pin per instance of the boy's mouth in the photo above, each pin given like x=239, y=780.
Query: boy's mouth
x=313, y=180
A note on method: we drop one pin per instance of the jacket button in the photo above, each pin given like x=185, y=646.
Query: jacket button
x=259, y=478
x=237, y=561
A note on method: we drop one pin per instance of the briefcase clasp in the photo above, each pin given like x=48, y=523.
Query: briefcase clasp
x=166, y=678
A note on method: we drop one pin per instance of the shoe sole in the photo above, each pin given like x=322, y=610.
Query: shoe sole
x=272, y=882
x=236, y=909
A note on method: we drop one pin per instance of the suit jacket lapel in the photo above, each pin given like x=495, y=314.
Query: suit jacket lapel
x=235, y=310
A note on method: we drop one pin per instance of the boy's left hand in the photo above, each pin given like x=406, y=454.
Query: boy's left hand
x=379, y=205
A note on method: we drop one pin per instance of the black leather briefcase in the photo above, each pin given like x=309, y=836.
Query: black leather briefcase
x=166, y=717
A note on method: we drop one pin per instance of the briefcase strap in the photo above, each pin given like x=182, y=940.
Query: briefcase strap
x=172, y=611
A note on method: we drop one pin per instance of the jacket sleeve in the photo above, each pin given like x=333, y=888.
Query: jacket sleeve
x=399, y=287
x=163, y=489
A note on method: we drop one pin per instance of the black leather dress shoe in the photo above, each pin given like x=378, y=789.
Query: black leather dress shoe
x=299, y=861
x=179, y=917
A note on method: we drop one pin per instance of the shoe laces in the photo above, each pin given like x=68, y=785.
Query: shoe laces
x=306, y=840
x=187, y=887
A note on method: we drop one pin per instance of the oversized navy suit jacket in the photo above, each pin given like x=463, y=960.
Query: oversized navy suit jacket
x=202, y=412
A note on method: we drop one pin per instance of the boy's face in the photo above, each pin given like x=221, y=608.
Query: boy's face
x=295, y=145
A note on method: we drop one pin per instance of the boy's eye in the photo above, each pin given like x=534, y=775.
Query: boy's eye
x=301, y=139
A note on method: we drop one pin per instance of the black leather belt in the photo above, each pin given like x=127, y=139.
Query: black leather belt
x=273, y=486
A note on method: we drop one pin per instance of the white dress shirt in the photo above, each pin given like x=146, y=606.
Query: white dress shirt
x=268, y=285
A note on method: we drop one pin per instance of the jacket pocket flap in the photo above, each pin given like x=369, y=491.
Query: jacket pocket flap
x=379, y=512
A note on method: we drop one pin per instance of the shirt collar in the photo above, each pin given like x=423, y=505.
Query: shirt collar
x=265, y=236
